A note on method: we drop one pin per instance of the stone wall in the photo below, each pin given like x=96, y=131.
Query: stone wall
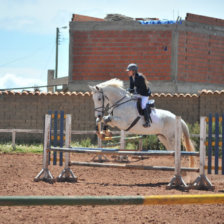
x=27, y=110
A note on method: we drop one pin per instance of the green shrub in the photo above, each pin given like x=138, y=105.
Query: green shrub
x=194, y=129
x=150, y=142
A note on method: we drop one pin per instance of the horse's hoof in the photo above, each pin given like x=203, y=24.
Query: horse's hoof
x=108, y=133
x=107, y=119
x=102, y=135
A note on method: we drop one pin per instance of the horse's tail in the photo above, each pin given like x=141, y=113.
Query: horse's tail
x=187, y=141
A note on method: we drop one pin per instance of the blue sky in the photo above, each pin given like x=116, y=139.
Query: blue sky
x=28, y=30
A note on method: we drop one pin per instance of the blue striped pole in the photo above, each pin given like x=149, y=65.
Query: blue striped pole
x=216, y=143
x=223, y=144
x=121, y=152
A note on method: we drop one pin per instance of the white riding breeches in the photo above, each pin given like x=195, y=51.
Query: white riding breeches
x=145, y=100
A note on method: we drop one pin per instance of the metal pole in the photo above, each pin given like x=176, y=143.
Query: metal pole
x=67, y=174
x=56, y=59
x=14, y=139
x=178, y=133
x=122, y=140
x=202, y=145
x=67, y=138
x=45, y=172
x=202, y=181
x=177, y=181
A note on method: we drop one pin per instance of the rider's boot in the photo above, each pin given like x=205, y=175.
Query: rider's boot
x=147, y=112
x=146, y=116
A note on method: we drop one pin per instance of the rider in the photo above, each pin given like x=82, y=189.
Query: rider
x=139, y=83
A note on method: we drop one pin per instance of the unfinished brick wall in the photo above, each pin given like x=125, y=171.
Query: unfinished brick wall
x=186, y=56
x=200, y=58
x=81, y=18
x=204, y=19
x=105, y=54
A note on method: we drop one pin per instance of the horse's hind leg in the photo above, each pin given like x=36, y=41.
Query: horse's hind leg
x=165, y=142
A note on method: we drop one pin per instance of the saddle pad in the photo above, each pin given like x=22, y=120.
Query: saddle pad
x=154, y=115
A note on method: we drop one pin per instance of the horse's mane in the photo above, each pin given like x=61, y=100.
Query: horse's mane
x=112, y=82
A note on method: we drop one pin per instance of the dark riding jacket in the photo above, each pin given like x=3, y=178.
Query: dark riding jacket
x=138, y=84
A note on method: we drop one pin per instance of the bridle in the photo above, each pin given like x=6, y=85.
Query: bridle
x=102, y=109
x=109, y=109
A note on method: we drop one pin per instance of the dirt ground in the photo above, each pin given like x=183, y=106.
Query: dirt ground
x=17, y=172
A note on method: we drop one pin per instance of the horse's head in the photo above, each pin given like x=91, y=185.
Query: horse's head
x=99, y=101
x=102, y=92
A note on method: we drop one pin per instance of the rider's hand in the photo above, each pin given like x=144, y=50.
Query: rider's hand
x=130, y=90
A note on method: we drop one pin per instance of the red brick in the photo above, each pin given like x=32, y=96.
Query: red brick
x=204, y=19
x=98, y=55
x=77, y=17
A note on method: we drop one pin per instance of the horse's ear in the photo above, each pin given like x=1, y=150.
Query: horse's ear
x=92, y=88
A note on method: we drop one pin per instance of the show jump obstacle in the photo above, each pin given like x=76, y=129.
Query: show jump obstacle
x=55, y=137
x=215, y=144
x=111, y=200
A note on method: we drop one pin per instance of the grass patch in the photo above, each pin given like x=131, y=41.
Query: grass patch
x=38, y=148
x=21, y=148
x=149, y=142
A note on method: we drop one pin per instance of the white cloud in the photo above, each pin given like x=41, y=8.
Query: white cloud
x=40, y=16
x=17, y=23
x=43, y=16
x=15, y=78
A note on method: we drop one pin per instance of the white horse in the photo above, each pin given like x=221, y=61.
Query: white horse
x=111, y=98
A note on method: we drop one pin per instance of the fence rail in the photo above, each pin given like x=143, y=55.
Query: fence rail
x=39, y=131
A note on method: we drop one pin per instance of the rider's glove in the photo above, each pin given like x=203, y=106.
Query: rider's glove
x=130, y=90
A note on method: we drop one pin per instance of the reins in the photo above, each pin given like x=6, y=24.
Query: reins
x=104, y=109
x=118, y=103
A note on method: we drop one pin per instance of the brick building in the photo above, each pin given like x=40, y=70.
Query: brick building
x=181, y=57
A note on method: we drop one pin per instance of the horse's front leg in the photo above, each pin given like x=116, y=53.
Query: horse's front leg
x=102, y=129
x=111, y=120
x=114, y=121
x=108, y=119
